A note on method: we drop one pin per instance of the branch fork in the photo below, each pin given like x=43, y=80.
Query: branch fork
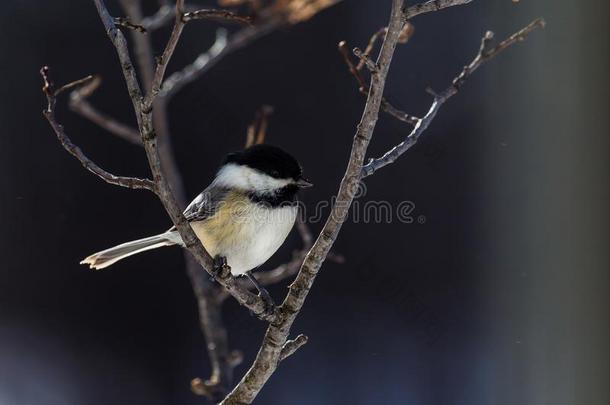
x=51, y=94
x=370, y=64
x=484, y=54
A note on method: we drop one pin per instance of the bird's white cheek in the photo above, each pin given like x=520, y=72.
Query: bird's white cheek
x=261, y=182
x=245, y=178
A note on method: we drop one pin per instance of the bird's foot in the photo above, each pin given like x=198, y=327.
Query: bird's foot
x=269, y=305
x=268, y=301
x=221, y=268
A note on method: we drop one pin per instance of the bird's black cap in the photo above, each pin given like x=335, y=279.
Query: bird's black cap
x=268, y=159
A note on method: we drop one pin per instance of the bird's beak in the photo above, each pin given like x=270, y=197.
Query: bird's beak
x=303, y=183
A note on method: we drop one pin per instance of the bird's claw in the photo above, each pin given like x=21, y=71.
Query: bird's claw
x=221, y=268
x=267, y=301
x=268, y=305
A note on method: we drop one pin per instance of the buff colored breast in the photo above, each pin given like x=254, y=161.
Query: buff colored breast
x=247, y=234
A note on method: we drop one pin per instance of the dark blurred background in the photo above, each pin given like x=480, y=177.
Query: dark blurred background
x=499, y=297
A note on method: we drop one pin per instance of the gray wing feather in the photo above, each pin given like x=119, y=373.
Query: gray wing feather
x=205, y=204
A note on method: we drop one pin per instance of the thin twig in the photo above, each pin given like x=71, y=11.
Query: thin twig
x=163, y=61
x=216, y=14
x=48, y=84
x=79, y=103
x=257, y=130
x=370, y=65
x=430, y=6
x=145, y=60
x=222, y=47
x=268, y=19
x=484, y=55
x=164, y=15
x=49, y=113
x=291, y=268
x=291, y=346
x=369, y=48
x=398, y=114
x=200, y=65
x=405, y=35
x=124, y=22
x=181, y=18
x=143, y=54
x=363, y=87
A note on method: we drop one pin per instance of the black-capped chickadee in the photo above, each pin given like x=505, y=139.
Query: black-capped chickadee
x=242, y=218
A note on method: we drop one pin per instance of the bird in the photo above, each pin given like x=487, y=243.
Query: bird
x=242, y=218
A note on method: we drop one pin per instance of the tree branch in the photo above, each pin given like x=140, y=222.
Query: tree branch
x=49, y=113
x=369, y=48
x=207, y=293
x=276, y=336
x=406, y=33
x=268, y=19
x=484, y=55
x=363, y=87
x=291, y=346
x=143, y=114
x=145, y=60
x=170, y=47
x=257, y=130
x=365, y=60
x=430, y=6
x=164, y=15
x=216, y=14
x=222, y=361
x=80, y=105
x=181, y=18
x=124, y=22
x=152, y=105
x=222, y=47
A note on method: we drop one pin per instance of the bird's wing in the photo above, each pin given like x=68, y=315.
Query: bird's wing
x=205, y=204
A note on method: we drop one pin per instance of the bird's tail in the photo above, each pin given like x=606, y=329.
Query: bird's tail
x=110, y=256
